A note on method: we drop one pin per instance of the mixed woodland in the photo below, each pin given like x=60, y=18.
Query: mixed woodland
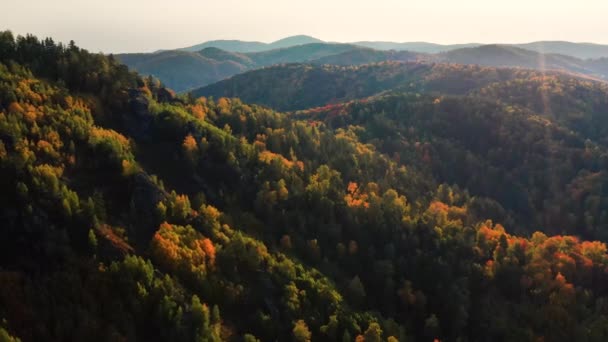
x=392, y=202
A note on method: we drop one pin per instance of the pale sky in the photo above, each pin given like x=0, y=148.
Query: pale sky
x=148, y=25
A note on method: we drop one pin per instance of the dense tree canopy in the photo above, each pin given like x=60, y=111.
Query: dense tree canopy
x=130, y=213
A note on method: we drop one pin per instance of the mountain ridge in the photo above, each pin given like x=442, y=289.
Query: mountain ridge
x=582, y=50
x=185, y=70
x=218, y=64
x=318, y=85
x=235, y=45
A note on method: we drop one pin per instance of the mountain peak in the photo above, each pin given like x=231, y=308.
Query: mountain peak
x=295, y=40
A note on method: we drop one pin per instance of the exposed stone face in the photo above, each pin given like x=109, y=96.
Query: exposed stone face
x=139, y=120
x=144, y=199
x=165, y=95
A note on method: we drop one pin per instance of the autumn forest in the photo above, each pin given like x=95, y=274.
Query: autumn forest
x=347, y=199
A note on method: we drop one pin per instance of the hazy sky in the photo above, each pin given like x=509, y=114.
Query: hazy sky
x=147, y=25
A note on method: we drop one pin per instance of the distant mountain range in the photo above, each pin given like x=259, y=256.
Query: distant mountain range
x=244, y=46
x=422, y=47
x=578, y=50
x=186, y=70
x=510, y=56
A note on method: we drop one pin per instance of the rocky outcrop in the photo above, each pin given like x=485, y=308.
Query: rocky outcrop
x=165, y=95
x=144, y=199
x=138, y=121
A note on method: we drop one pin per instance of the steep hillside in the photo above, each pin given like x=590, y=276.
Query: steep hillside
x=548, y=173
x=573, y=107
x=97, y=248
x=131, y=214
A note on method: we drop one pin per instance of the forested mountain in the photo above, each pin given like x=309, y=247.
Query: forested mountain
x=129, y=213
x=229, y=45
x=300, y=53
x=301, y=86
x=182, y=70
x=366, y=56
x=508, y=56
x=511, y=56
x=243, y=46
x=510, y=109
x=294, y=41
x=545, y=174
